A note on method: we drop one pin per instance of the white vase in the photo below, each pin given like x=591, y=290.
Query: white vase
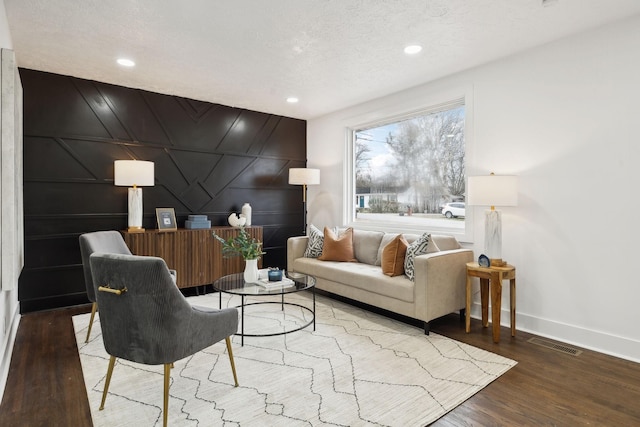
x=250, y=270
x=246, y=211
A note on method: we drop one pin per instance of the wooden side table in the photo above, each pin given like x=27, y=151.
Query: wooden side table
x=495, y=276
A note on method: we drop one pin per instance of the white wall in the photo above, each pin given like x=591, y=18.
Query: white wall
x=564, y=118
x=9, y=313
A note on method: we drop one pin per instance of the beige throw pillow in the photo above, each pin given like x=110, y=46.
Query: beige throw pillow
x=393, y=256
x=338, y=248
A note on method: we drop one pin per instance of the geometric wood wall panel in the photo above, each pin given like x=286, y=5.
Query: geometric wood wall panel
x=209, y=159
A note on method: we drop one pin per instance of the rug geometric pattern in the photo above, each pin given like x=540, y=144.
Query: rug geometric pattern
x=357, y=369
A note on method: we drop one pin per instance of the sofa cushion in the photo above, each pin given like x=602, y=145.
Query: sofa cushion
x=393, y=257
x=445, y=243
x=366, y=244
x=419, y=247
x=314, y=244
x=358, y=275
x=338, y=247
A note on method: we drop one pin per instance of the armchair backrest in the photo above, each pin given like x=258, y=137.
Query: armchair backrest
x=100, y=241
x=144, y=323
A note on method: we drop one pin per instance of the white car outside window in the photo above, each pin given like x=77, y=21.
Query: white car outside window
x=453, y=210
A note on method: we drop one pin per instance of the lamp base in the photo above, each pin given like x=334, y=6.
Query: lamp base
x=135, y=230
x=498, y=262
x=493, y=236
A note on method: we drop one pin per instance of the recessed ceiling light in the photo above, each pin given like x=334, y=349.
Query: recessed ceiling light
x=292, y=100
x=126, y=62
x=412, y=49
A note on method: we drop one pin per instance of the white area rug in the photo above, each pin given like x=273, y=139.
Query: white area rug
x=356, y=369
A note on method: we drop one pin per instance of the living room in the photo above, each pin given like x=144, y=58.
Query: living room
x=559, y=116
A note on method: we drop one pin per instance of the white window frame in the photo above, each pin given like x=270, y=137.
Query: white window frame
x=414, y=107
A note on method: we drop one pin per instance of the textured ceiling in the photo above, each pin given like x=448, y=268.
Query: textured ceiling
x=253, y=54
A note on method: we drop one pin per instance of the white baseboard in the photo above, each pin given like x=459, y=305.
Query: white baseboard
x=7, y=349
x=601, y=342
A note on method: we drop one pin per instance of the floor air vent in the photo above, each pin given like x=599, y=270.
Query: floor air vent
x=555, y=346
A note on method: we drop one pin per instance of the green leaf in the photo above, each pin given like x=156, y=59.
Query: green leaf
x=241, y=245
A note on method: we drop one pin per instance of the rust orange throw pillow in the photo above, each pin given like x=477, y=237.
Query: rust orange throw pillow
x=393, y=256
x=338, y=248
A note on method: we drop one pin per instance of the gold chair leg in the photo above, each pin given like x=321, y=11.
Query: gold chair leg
x=167, y=377
x=233, y=365
x=94, y=307
x=112, y=362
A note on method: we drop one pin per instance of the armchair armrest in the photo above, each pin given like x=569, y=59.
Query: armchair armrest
x=440, y=280
x=295, y=249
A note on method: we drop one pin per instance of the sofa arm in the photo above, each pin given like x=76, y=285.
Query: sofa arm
x=295, y=249
x=440, y=281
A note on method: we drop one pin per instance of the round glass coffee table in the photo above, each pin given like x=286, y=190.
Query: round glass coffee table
x=234, y=284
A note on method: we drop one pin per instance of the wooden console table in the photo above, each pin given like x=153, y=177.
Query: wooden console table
x=195, y=254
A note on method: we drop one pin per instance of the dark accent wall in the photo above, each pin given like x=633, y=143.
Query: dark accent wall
x=209, y=159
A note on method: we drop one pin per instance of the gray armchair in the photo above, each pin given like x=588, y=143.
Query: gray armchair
x=100, y=241
x=110, y=242
x=145, y=319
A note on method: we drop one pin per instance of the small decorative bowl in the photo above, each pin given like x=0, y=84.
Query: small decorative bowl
x=275, y=275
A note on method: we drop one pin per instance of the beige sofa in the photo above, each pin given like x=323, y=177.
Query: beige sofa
x=438, y=289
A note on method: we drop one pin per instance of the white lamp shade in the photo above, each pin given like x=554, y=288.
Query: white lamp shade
x=302, y=176
x=492, y=190
x=128, y=173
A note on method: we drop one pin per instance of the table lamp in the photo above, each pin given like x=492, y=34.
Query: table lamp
x=493, y=190
x=134, y=174
x=304, y=177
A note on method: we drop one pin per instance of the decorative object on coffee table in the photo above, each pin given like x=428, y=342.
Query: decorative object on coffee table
x=274, y=274
x=245, y=246
x=250, y=270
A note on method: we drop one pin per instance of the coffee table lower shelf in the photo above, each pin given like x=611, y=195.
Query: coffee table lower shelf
x=242, y=306
x=234, y=284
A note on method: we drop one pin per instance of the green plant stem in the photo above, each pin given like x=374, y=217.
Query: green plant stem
x=241, y=245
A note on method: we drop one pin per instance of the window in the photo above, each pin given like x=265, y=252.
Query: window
x=407, y=170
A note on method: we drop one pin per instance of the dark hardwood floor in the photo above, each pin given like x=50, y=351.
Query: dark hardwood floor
x=45, y=385
x=547, y=388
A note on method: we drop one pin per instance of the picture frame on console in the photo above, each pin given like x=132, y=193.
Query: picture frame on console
x=166, y=219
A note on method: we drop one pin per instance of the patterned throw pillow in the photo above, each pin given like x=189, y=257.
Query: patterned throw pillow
x=315, y=243
x=418, y=247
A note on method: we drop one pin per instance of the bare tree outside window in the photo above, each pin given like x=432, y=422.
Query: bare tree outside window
x=411, y=167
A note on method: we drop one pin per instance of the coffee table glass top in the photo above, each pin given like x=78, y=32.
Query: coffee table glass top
x=235, y=284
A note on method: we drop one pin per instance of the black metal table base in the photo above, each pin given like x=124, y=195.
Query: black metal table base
x=282, y=304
